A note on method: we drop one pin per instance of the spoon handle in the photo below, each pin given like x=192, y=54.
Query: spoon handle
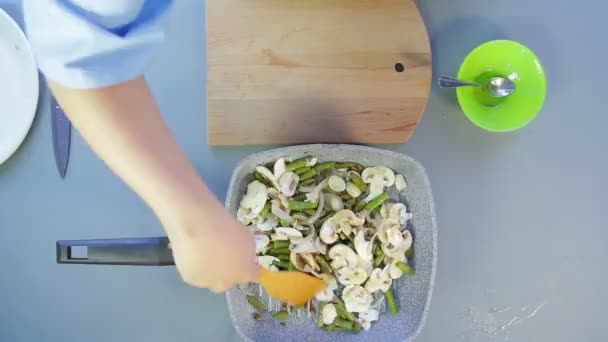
x=451, y=82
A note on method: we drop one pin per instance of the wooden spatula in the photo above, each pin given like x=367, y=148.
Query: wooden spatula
x=294, y=287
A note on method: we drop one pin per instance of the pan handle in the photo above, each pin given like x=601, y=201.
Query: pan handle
x=136, y=252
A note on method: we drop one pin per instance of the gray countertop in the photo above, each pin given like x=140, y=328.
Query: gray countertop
x=522, y=232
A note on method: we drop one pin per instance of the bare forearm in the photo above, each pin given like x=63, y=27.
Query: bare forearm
x=124, y=126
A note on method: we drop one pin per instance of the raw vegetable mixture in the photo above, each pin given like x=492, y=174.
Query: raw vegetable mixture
x=333, y=220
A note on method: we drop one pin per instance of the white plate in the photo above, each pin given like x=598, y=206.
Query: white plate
x=18, y=87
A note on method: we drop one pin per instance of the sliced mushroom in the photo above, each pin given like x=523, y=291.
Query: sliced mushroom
x=377, y=177
x=333, y=201
x=394, y=271
x=279, y=168
x=326, y=295
x=288, y=183
x=342, y=256
x=245, y=216
x=274, y=194
x=321, y=247
x=289, y=232
x=329, y=313
x=304, y=262
x=366, y=318
x=261, y=242
x=400, y=182
x=352, y=190
x=268, y=175
x=255, y=197
x=313, y=196
x=352, y=276
x=387, y=175
x=364, y=247
x=380, y=279
x=266, y=261
x=396, y=212
x=266, y=224
x=386, y=225
x=356, y=298
x=279, y=211
x=329, y=280
x=328, y=233
x=307, y=245
x=336, y=183
x=397, y=242
x=342, y=222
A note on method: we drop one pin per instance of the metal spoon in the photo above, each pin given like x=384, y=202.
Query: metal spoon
x=496, y=86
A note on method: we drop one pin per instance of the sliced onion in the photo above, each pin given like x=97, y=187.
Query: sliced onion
x=320, y=206
x=278, y=212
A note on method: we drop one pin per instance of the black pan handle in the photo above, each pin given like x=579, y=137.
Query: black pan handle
x=136, y=252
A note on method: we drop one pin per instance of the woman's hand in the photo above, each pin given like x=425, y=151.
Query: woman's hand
x=123, y=125
x=211, y=249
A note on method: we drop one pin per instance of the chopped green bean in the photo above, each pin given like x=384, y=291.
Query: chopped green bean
x=376, y=249
x=284, y=257
x=300, y=163
x=258, y=176
x=302, y=170
x=279, y=251
x=342, y=323
x=379, y=259
x=345, y=196
x=392, y=304
x=376, y=202
x=324, y=166
x=358, y=181
x=343, y=313
x=258, y=316
x=280, y=244
x=307, y=182
x=301, y=206
x=310, y=212
x=350, y=165
x=320, y=314
x=290, y=267
x=351, y=245
x=266, y=210
x=281, y=315
x=410, y=253
x=360, y=206
x=323, y=218
x=284, y=223
x=308, y=175
x=282, y=264
x=405, y=268
x=325, y=268
x=301, y=197
x=356, y=328
x=256, y=303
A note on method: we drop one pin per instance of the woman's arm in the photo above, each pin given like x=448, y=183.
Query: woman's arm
x=124, y=126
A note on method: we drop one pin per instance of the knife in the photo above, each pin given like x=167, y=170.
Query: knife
x=61, y=136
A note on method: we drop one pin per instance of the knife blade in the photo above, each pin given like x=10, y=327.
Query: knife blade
x=62, y=129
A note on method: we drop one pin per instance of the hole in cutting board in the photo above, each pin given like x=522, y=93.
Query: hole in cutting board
x=78, y=252
x=399, y=67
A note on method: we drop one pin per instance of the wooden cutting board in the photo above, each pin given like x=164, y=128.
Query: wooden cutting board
x=303, y=71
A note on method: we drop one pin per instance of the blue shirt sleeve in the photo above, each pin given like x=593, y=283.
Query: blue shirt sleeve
x=94, y=43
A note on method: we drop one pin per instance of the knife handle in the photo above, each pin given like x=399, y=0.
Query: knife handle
x=136, y=252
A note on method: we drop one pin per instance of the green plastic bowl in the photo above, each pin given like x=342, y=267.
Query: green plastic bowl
x=507, y=59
